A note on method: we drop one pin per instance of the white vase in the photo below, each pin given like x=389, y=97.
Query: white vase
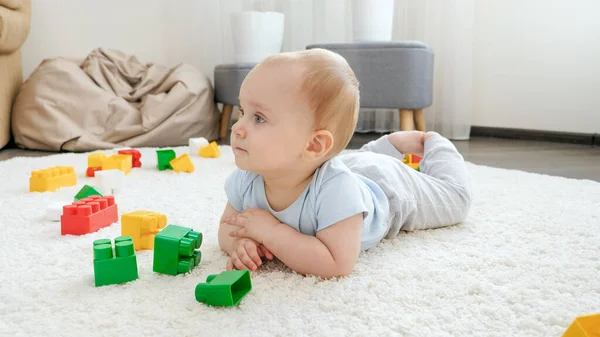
x=372, y=20
x=256, y=35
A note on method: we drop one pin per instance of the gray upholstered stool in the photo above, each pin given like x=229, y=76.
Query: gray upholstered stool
x=228, y=80
x=392, y=75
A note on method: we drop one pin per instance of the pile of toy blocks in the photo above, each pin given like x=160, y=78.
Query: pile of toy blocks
x=176, y=249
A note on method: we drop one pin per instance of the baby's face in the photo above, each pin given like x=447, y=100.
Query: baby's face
x=275, y=120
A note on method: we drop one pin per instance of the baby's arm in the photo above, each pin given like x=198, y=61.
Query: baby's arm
x=244, y=253
x=226, y=242
x=332, y=253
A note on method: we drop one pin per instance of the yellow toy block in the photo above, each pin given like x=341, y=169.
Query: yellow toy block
x=210, y=151
x=51, y=179
x=182, y=163
x=96, y=159
x=584, y=326
x=142, y=226
x=121, y=162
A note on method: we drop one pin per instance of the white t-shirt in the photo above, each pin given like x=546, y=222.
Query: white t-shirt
x=334, y=194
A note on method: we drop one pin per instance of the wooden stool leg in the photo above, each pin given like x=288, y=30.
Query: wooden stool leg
x=420, y=120
x=225, y=120
x=406, y=120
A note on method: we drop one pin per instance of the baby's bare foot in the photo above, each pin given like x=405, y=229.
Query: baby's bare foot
x=408, y=141
x=431, y=134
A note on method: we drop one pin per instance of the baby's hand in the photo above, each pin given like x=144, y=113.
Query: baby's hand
x=252, y=223
x=247, y=254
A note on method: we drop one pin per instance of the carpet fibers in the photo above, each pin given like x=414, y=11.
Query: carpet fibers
x=525, y=263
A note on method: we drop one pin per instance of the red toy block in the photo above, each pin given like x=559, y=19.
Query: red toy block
x=91, y=171
x=416, y=159
x=88, y=215
x=135, y=157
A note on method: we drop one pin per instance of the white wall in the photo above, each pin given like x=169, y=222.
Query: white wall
x=74, y=28
x=537, y=64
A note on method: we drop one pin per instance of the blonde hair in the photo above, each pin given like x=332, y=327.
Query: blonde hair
x=332, y=89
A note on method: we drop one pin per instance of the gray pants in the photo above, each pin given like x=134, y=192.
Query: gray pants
x=439, y=195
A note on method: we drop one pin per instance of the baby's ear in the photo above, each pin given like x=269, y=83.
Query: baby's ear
x=320, y=144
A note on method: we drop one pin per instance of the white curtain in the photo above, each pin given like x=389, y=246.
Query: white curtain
x=198, y=32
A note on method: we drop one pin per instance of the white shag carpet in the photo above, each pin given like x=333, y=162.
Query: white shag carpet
x=526, y=263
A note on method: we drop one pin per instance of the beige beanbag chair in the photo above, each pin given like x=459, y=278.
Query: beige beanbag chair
x=110, y=100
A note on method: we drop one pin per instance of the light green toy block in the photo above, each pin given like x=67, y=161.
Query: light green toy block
x=86, y=191
x=164, y=159
x=176, y=250
x=225, y=289
x=116, y=268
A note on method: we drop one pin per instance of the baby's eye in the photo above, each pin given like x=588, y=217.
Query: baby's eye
x=259, y=119
x=240, y=112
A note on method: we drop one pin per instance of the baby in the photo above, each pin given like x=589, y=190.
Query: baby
x=294, y=195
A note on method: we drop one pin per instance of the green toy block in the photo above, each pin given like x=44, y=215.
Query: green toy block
x=225, y=289
x=176, y=250
x=164, y=159
x=86, y=191
x=118, y=269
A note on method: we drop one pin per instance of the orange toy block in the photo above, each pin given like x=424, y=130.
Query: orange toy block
x=584, y=326
x=142, y=226
x=135, y=156
x=51, y=179
x=182, y=163
x=121, y=162
x=88, y=215
x=210, y=151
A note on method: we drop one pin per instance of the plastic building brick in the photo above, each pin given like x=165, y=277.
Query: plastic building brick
x=86, y=191
x=584, y=326
x=135, y=156
x=210, y=151
x=164, y=159
x=91, y=171
x=182, y=163
x=116, y=268
x=51, y=179
x=142, y=226
x=175, y=250
x=110, y=180
x=120, y=162
x=195, y=144
x=412, y=160
x=95, y=161
x=224, y=289
x=88, y=215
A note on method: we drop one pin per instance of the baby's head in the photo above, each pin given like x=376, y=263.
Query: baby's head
x=297, y=110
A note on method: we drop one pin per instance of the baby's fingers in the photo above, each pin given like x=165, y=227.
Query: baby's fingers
x=267, y=253
x=252, y=251
x=235, y=220
x=245, y=259
x=239, y=233
x=229, y=264
x=237, y=263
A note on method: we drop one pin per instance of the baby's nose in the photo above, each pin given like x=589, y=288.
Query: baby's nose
x=238, y=129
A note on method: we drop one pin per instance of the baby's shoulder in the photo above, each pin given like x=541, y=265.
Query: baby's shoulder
x=241, y=179
x=335, y=174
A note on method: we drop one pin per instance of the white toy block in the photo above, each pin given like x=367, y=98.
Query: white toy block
x=54, y=210
x=107, y=181
x=196, y=144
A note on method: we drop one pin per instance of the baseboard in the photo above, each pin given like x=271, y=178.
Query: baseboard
x=540, y=135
